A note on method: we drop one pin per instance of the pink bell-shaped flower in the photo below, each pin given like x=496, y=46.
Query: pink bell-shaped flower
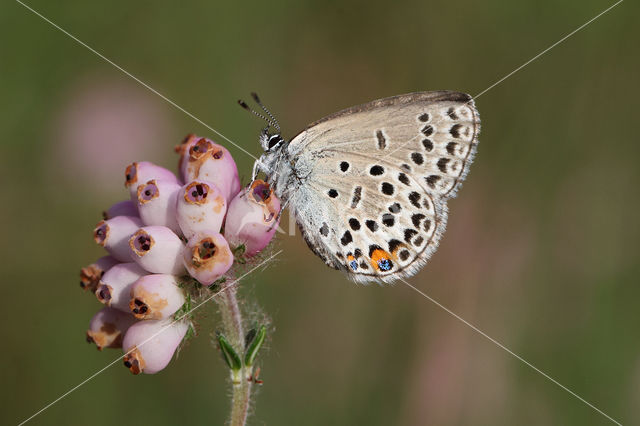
x=141, y=172
x=157, y=249
x=207, y=257
x=90, y=275
x=200, y=206
x=150, y=345
x=252, y=218
x=203, y=159
x=108, y=326
x=122, y=208
x=155, y=297
x=115, y=286
x=157, y=203
x=113, y=234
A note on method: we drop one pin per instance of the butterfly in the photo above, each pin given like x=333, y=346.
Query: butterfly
x=368, y=186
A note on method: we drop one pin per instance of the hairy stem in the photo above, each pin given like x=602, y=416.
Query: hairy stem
x=234, y=332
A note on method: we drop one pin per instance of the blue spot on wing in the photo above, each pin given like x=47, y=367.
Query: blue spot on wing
x=385, y=264
x=353, y=264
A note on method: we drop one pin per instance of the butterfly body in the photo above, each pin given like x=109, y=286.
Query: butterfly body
x=369, y=185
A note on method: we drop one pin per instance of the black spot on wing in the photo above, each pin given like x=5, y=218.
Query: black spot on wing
x=409, y=233
x=432, y=180
x=357, y=196
x=442, y=164
x=394, y=244
x=376, y=170
x=346, y=238
x=382, y=141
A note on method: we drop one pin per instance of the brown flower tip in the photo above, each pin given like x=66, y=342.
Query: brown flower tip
x=103, y=293
x=141, y=242
x=148, y=192
x=217, y=153
x=139, y=309
x=101, y=232
x=107, y=337
x=196, y=193
x=134, y=361
x=131, y=174
x=199, y=149
x=262, y=193
x=90, y=277
x=204, y=251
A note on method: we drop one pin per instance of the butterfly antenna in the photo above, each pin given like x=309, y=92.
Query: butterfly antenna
x=244, y=105
x=274, y=122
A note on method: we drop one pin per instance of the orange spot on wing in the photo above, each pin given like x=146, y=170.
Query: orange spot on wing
x=377, y=256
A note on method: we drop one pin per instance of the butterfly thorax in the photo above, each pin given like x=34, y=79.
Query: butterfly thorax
x=277, y=165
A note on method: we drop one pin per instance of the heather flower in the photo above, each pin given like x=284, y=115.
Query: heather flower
x=149, y=345
x=167, y=252
x=207, y=257
x=115, y=285
x=156, y=297
x=141, y=172
x=113, y=234
x=203, y=159
x=157, y=203
x=200, y=207
x=91, y=274
x=108, y=326
x=122, y=208
x=252, y=218
x=157, y=249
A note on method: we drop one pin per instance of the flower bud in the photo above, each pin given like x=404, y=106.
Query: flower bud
x=150, y=345
x=114, y=234
x=200, y=206
x=90, y=275
x=157, y=249
x=122, y=208
x=252, y=218
x=155, y=297
x=108, y=326
x=115, y=286
x=157, y=203
x=139, y=173
x=203, y=159
x=207, y=257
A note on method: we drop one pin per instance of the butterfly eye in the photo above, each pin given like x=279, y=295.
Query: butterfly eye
x=274, y=140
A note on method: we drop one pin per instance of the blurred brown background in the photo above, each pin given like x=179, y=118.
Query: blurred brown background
x=541, y=251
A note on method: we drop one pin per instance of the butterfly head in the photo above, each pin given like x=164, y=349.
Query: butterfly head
x=270, y=142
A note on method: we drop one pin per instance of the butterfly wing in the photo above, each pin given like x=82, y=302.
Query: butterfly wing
x=377, y=177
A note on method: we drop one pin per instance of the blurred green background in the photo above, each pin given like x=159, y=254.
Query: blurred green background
x=541, y=251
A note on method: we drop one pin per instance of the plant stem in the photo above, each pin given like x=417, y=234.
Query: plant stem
x=234, y=332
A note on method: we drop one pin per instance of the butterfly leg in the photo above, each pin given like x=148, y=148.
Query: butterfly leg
x=256, y=170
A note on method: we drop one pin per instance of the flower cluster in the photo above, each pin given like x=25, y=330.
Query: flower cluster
x=175, y=233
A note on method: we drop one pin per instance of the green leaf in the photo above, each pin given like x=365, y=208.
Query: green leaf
x=229, y=354
x=254, y=347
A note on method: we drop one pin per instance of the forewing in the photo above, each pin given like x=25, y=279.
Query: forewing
x=432, y=135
